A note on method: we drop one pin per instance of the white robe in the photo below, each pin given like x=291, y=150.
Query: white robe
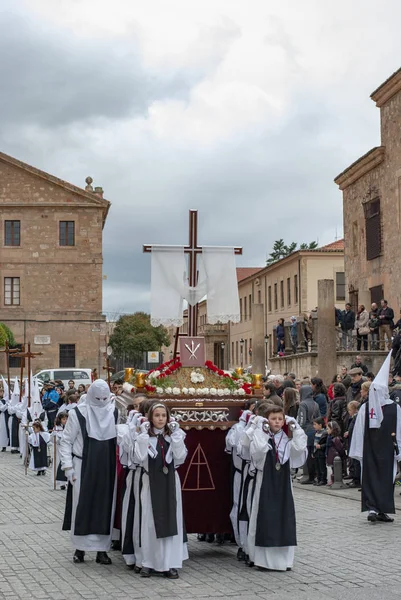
x=232, y=441
x=164, y=553
x=56, y=436
x=34, y=439
x=3, y=428
x=72, y=443
x=277, y=558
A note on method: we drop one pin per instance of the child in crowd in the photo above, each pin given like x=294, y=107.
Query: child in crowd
x=334, y=447
x=354, y=464
x=57, y=433
x=319, y=450
x=272, y=527
x=38, y=441
x=159, y=450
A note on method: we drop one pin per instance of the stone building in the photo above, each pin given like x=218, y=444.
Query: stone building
x=286, y=288
x=51, y=266
x=371, y=189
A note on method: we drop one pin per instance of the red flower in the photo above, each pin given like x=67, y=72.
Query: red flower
x=220, y=372
x=168, y=372
x=227, y=375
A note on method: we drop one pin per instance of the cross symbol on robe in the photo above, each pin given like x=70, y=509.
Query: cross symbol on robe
x=372, y=413
x=192, y=250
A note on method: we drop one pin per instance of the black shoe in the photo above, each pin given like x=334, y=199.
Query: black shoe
x=14, y=451
x=322, y=483
x=220, y=538
x=43, y=472
x=262, y=569
x=79, y=556
x=62, y=487
x=3, y=449
x=137, y=569
x=289, y=569
x=240, y=554
x=250, y=564
x=384, y=518
x=145, y=572
x=372, y=517
x=307, y=482
x=201, y=537
x=116, y=545
x=171, y=574
x=352, y=484
x=38, y=473
x=103, y=559
x=210, y=538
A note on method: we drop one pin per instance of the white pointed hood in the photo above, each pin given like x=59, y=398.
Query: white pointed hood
x=100, y=422
x=6, y=390
x=36, y=407
x=15, y=393
x=379, y=394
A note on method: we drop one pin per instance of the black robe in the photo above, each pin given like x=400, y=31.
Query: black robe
x=13, y=432
x=40, y=454
x=378, y=462
x=275, y=525
x=163, y=492
x=4, y=415
x=128, y=541
x=98, y=478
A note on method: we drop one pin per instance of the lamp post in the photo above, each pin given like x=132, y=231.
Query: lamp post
x=222, y=346
x=241, y=344
x=267, y=349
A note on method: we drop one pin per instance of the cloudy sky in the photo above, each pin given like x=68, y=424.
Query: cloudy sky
x=243, y=110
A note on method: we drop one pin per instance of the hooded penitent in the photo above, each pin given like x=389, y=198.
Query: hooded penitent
x=100, y=422
x=379, y=394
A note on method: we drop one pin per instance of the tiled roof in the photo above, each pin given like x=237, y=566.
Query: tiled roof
x=244, y=272
x=338, y=245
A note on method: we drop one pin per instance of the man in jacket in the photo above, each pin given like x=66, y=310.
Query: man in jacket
x=347, y=326
x=50, y=403
x=373, y=325
x=354, y=390
x=386, y=318
x=308, y=410
x=358, y=364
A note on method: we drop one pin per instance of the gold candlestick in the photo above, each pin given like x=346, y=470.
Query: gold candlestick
x=239, y=371
x=140, y=380
x=128, y=374
x=257, y=381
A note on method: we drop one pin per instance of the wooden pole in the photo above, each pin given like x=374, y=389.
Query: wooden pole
x=26, y=451
x=29, y=374
x=22, y=365
x=8, y=364
x=54, y=460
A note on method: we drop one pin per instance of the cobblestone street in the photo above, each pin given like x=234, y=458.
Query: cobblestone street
x=338, y=551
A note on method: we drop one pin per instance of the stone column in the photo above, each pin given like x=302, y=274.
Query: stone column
x=301, y=344
x=327, y=357
x=258, y=340
x=315, y=329
x=287, y=337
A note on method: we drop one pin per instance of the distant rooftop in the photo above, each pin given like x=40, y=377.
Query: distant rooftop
x=244, y=272
x=338, y=245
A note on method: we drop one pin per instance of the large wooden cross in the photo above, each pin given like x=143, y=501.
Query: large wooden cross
x=29, y=355
x=8, y=351
x=193, y=250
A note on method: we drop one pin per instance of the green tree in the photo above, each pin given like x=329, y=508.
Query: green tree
x=281, y=250
x=6, y=335
x=133, y=335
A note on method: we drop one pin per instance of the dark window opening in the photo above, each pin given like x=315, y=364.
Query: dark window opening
x=67, y=233
x=67, y=355
x=12, y=233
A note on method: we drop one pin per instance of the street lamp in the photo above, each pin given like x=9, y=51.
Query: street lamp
x=222, y=346
x=241, y=344
x=266, y=348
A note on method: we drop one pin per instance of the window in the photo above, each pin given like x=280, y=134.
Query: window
x=250, y=306
x=236, y=353
x=282, y=294
x=232, y=353
x=67, y=356
x=71, y=374
x=67, y=233
x=295, y=289
x=340, y=286
x=373, y=229
x=269, y=298
x=376, y=294
x=11, y=291
x=259, y=297
x=289, y=291
x=275, y=297
x=12, y=233
x=13, y=361
x=246, y=352
x=245, y=313
x=250, y=346
x=240, y=308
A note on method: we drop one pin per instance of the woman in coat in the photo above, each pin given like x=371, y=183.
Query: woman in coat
x=362, y=327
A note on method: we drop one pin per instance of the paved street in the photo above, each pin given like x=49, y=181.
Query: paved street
x=338, y=551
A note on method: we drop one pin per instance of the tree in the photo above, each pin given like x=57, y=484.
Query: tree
x=133, y=335
x=6, y=335
x=281, y=250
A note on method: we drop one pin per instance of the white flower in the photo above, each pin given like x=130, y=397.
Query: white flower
x=168, y=390
x=197, y=377
x=241, y=392
x=185, y=390
x=205, y=391
x=220, y=392
x=226, y=392
x=199, y=392
x=235, y=392
x=176, y=391
x=159, y=390
x=192, y=391
x=154, y=375
x=213, y=391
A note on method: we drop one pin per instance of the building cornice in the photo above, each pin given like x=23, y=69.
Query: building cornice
x=359, y=168
x=387, y=89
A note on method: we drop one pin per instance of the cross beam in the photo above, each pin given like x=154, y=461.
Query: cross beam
x=29, y=355
x=193, y=250
x=7, y=351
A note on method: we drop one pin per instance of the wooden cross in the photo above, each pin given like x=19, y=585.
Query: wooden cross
x=109, y=370
x=29, y=355
x=192, y=250
x=7, y=351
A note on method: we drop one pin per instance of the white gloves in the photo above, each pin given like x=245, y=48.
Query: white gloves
x=145, y=426
x=292, y=423
x=70, y=474
x=173, y=426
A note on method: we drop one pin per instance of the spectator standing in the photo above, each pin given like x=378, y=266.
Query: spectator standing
x=278, y=381
x=365, y=391
x=338, y=407
x=51, y=404
x=362, y=328
x=307, y=412
x=374, y=323
x=319, y=450
x=347, y=326
x=359, y=364
x=290, y=401
x=334, y=447
x=280, y=336
x=354, y=390
x=71, y=385
x=386, y=318
x=271, y=395
x=294, y=334
x=319, y=395
x=354, y=465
